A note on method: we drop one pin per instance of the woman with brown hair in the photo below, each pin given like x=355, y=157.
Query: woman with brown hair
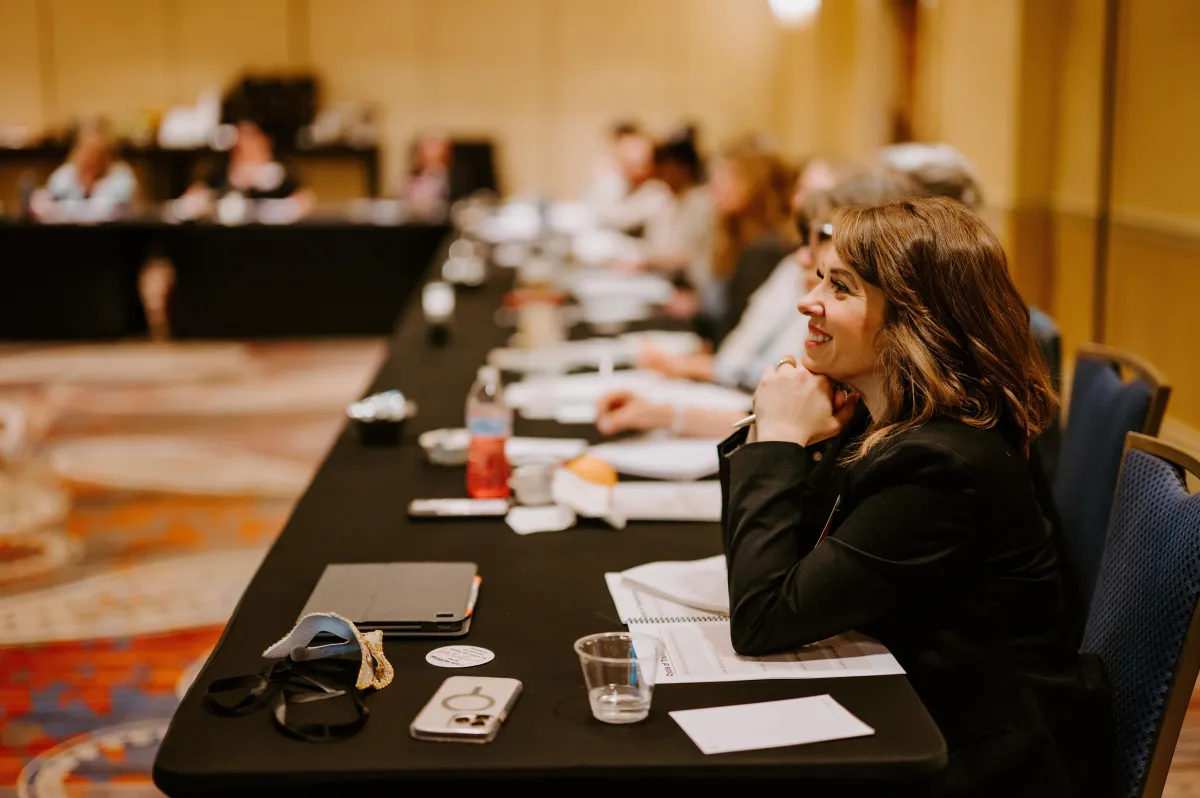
x=908, y=511
x=751, y=188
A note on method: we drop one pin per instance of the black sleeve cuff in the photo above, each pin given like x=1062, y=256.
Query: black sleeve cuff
x=787, y=462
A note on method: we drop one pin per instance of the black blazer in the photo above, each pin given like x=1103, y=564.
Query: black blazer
x=938, y=549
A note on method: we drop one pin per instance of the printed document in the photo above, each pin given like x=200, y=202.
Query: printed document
x=697, y=646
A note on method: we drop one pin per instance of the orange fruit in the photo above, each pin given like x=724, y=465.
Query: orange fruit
x=593, y=469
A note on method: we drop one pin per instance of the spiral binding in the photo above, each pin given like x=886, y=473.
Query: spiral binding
x=679, y=619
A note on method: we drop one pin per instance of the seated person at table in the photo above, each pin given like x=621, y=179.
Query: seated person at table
x=624, y=194
x=426, y=191
x=753, y=345
x=940, y=169
x=770, y=319
x=252, y=171
x=750, y=188
x=91, y=182
x=679, y=234
x=919, y=523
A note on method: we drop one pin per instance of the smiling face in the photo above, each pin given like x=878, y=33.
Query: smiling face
x=845, y=318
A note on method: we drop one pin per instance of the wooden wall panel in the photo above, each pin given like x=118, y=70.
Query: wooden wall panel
x=367, y=51
x=20, y=67
x=214, y=41
x=109, y=58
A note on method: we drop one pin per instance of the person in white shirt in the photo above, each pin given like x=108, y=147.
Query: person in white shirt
x=679, y=235
x=624, y=194
x=624, y=410
x=92, y=182
x=770, y=322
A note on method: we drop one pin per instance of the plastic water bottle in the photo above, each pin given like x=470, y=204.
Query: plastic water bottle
x=489, y=422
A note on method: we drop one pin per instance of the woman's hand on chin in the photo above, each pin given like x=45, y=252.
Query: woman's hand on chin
x=793, y=404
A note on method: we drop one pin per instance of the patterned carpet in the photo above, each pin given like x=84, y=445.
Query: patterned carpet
x=149, y=484
x=151, y=481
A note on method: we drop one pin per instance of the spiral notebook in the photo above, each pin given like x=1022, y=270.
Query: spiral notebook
x=696, y=646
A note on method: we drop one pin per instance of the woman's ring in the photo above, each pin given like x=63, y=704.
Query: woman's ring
x=791, y=361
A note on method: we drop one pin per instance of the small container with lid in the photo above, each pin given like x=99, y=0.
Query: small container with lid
x=380, y=417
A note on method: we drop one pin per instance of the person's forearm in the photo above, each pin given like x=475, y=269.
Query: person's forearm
x=704, y=422
x=768, y=540
x=698, y=366
x=668, y=261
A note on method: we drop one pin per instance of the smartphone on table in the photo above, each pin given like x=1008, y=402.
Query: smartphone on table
x=466, y=709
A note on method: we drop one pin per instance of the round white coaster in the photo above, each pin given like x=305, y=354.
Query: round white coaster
x=459, y=656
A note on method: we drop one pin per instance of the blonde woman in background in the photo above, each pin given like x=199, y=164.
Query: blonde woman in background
x=750, y=187
x=92, y=182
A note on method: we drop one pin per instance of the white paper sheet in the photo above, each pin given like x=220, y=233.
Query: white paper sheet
x=542, y=396
x=575, y=414
x=523, y=451
x=770, y=724
x=697, y=646
x=658, y=457
x=702, y=584
x=590, y=285
x=669, y=501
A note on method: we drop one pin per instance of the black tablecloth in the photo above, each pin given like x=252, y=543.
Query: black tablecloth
x=71, y=282
x=540, y=593
x=308, y=279
x=318, y=277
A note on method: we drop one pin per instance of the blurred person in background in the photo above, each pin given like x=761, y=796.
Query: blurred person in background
x=751, y=189
x=92, y=181
x=624, y=195
x=769, y=313
x=820, y=172
x=250, y=170
x=679, y=235
x=771, y=327
x=940, y=169
x=426, y=190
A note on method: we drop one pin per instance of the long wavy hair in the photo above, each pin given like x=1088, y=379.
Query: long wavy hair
x=769, y=181
x=956, y=340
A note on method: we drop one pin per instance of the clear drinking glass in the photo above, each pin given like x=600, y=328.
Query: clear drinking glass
x=619, y=668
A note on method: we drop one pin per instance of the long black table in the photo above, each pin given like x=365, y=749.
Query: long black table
x=71, y=282
x=330, y=274
x=316, y=277
x=539, y=594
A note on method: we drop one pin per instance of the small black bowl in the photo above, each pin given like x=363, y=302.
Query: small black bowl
x=380, y=417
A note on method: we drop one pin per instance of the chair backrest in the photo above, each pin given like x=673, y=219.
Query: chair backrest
x=472, y=168
x=1049, y=341
x=1104, y=408
x=1145, y=617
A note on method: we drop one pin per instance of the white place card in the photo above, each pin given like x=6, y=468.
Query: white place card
x=770, y=724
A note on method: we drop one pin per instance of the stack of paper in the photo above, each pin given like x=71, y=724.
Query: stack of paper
x=618, y=352
x=703, y=584
x=667, y=501
x=591, y=285
x=656, y=457
x=574, y=396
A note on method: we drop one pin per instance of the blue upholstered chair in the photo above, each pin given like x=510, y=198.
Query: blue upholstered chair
x=1104, y=408
x=1145, y=618
x=1049, y=341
